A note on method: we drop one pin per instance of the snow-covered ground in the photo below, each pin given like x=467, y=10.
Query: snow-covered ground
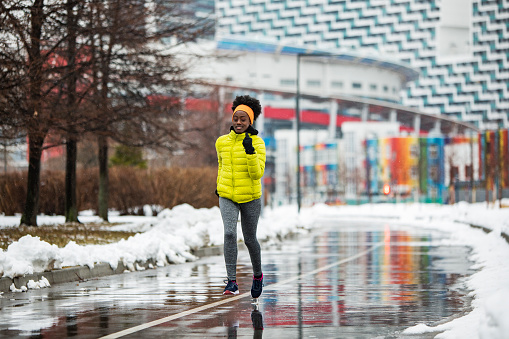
x=171, y=236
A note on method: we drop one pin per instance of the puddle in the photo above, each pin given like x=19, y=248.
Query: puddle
x=406, y=280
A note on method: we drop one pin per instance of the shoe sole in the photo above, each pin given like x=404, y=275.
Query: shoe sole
x=230, y=292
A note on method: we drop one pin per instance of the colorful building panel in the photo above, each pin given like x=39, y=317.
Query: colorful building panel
x=403, y=166
x=427, y=169
x=434, y=175
x=409, y=165
x=373, y=168
x=494, y=158
x=320, y=170
x=504, y=157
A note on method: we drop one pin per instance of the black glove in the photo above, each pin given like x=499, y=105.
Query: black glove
x=248, y=144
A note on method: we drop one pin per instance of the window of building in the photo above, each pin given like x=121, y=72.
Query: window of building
x=314, y=83
x=433, y=173
x=337, y=84
x=331, y=156
x=386, y=88
x=373, y=87
x=356, y=85
x=371, y=152
x=453, y=34
x=307, y=157
x=414, y=172
x=414, y=151
x=433, y=151
x=332, y=178
x=349, y=142
x=287, y=82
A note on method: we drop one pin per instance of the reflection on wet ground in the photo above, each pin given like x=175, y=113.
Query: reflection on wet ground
x=404, y=278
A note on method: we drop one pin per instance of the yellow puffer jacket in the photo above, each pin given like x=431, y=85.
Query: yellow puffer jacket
x=239, y=174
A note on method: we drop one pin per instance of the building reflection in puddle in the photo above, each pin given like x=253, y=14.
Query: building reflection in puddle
x=398, y=284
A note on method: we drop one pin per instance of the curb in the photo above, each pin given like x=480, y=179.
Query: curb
x=488, y=230
x=82, y=273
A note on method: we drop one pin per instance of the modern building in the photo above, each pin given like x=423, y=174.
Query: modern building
x=334, y=85
x=460, y=48
x=344, y=98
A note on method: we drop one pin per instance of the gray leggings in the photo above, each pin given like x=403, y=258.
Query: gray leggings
x=249, y=214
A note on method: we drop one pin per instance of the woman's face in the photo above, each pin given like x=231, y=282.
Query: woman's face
x=241, y=121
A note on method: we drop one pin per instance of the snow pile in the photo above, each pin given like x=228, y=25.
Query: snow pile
x=168, y=239
x=29, y=255
x=494, y=323
x=496, y=218
x=34, y=285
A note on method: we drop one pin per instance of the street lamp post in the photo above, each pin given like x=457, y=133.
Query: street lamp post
x=297, y=118
x=297, y=126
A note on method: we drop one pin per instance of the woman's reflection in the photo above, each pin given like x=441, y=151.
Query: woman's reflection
x=256, y=319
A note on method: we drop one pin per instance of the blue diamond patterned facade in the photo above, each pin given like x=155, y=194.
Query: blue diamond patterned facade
x=461, y=52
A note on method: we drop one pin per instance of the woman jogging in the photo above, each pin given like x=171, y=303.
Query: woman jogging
x=241, y=162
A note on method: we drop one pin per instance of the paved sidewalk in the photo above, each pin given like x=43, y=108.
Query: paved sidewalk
x=82, y=273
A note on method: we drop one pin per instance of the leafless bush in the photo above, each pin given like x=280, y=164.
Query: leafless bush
x=12, y=193
x=194, y=186
x=52, y=193
x=130, y=189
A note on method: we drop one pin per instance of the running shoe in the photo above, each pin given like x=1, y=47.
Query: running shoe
x=256, y=288
x=231, y=287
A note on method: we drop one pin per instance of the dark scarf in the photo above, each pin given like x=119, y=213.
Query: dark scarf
x=251, y=130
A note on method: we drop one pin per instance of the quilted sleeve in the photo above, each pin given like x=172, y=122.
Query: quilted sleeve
x=256, y=162
x=219, y=163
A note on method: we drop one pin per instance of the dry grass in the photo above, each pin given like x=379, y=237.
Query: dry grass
x=61, y=235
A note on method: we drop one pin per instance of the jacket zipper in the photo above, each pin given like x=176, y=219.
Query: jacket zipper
x=231, y=159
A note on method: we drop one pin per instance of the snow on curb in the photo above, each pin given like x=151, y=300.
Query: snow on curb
x=171, y=238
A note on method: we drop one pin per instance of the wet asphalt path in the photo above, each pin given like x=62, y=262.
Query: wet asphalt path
x=344, y=280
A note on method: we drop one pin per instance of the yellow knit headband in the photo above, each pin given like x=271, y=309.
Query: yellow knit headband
x=246, y=109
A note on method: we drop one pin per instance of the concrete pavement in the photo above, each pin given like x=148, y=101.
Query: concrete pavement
x=82, y=273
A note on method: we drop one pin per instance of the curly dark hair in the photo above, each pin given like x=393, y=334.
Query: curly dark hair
x=248, y=101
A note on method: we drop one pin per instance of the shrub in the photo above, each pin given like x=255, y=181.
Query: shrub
x=130, y=188
x=12, y=192
x=128, y=156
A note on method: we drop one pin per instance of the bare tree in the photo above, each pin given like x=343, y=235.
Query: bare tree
x=138, y=79
x=71, y=209
x=103, y=67
x=29, y=36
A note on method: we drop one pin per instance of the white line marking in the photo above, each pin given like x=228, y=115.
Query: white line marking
x=231, y=299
